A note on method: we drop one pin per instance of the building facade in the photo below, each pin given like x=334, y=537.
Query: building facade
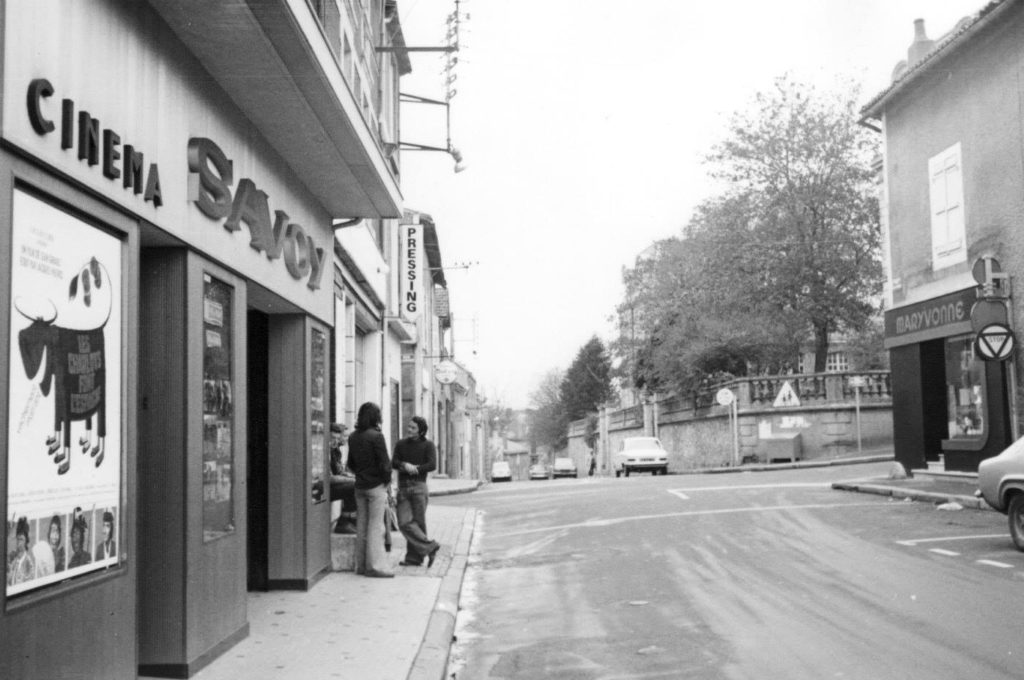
x=177, y=311
x=953, y=199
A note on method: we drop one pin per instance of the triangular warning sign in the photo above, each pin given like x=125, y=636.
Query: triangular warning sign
x=786, y=396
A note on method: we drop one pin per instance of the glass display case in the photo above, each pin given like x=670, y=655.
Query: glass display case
x=318, y=426
x=218, y=410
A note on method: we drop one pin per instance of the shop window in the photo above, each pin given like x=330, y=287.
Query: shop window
x=218, y=410
x=965, y=389
x=947, y=208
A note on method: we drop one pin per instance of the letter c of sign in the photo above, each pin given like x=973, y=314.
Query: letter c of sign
x=37, y=89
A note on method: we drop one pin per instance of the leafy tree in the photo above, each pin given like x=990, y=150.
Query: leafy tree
x=788, y=252
x=587, y=383
x=548, y=424
x=803, y=166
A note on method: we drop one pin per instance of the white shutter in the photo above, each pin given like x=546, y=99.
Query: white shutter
x=947, y=208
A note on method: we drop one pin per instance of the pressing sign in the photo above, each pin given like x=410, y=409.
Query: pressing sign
x=994, y=342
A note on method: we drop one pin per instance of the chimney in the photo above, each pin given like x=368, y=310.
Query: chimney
x=921, y=45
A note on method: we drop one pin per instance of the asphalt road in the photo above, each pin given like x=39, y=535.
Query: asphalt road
x=754, y=575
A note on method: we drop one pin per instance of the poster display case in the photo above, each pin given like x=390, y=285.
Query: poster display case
x=218, y=410
x=318, y=425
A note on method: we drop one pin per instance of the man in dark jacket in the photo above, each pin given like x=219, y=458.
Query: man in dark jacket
x=414, y=457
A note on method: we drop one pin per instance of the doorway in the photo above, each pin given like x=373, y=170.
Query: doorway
x=258, y=464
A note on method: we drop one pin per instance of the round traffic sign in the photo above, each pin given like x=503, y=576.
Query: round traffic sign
x=994, y=342
x=725, y=396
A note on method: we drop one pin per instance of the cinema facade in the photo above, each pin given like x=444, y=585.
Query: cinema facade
x=171, y=172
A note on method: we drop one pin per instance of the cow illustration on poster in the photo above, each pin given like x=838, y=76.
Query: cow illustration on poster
x=72, y=362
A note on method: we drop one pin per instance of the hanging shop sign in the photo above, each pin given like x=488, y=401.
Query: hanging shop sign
x=411, y=293
x=446, y=372
x=79, y=131
x=64, y=420
x=211, y=176
x=994, y=342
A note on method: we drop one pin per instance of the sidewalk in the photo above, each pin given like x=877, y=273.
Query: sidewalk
x=929, y=487
x=359, y=628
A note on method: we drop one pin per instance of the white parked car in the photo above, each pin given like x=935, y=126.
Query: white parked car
x=640, y=454
x=501, y=471
x=564, y=467
x=1001, y=484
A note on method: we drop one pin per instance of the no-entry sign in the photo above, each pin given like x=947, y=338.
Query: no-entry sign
x=994, y=342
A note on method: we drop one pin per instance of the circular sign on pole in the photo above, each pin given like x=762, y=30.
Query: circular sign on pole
x=446, y=372
x=994, y=342
x=725, y=396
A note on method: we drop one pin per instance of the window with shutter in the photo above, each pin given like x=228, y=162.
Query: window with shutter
x=947, y=208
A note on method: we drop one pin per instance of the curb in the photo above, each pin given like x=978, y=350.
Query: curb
x=914, y=494
x=431, y=662
x=452, y=492
x=764, y=467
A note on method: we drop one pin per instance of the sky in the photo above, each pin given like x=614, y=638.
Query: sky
x=583, y=125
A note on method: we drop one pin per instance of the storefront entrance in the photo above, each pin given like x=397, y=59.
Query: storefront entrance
x=949, y=404
x=257, y=477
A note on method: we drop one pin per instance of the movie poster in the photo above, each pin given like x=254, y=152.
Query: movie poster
x=64, y=415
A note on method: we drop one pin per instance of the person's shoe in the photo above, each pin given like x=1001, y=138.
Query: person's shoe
x=379, y=574
x=432, y=556
x=409, y=563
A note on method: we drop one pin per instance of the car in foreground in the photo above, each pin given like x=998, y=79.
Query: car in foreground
x=539, y=471
x=501, y=471
x=564, y=467
x=1001, y=484
x=640, y=454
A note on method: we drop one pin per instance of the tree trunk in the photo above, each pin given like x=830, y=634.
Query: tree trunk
x=820, y=347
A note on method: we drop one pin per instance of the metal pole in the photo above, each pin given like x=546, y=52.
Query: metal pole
x=856, y=391
x=735, y=433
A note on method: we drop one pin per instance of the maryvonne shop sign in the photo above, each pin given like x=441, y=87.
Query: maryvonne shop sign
x=936, y=318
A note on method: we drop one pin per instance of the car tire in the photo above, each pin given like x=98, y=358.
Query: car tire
x=618, y=473
x=625, y=471
x=1015, y=517
x=664, y=470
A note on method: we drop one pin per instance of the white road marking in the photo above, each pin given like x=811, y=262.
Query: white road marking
x=679, y=492
x=794, y=485
x=993, y=563
x=940, y=551
x=692, y=513
x=943, y=539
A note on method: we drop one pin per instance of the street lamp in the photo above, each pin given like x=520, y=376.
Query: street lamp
x=447, y=148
